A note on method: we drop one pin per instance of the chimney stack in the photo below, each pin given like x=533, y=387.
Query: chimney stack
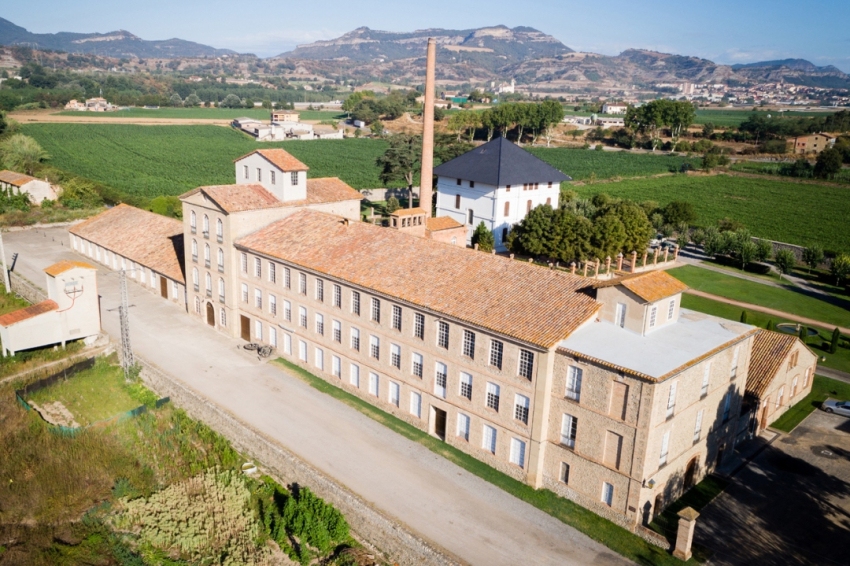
x=427, y=175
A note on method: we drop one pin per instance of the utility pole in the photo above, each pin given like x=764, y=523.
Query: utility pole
x=6, y=281
x=127, y=361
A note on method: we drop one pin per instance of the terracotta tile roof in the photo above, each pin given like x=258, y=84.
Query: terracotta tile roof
x=65, y=265
x=32, y=311
x=238, y=198
x=770, y=350
x=280, y=158
x=531, y=304
x=330, y=189
x=141, y=236
x=650, y=286
x=16, y=179
x=442, y=223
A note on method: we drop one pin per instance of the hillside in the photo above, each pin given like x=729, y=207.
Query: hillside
x=113, y=44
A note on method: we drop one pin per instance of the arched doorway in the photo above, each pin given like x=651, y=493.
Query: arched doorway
x=210, y=314
x=659, y=505
x=691, y=472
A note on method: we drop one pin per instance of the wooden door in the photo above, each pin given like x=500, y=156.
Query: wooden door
x=440, y=423
x=691, y=472
x=245, y=324
x=163, y=287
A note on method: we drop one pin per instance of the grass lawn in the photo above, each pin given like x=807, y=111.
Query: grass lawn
x=822, y=387
x=783, y=299
x=614, y=537
x=769, y=207
x=667, y=523
x=92, y=395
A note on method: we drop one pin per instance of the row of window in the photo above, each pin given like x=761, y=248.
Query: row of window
x=222, y=314
x=134, y=270
x=208, y=288
x=443, y=331
x=665, y=439
x=207, y=253
x=507, y=210
x=246, y=173
x=706, y=378
x=193, y=224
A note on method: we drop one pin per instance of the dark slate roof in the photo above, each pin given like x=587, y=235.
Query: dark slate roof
x=499, y=162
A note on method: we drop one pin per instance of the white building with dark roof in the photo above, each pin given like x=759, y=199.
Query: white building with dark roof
x=497, y=183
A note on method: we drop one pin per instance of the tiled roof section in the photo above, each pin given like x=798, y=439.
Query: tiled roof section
x=498, y=163
x=64, y=265
x=16, y=179
x=408, y=211
x=238, y=198
x=280, y=158
x=769, y=352
x=330, y=189
x=32, y=311
x=442, y=223
x=141, y=236
x=534, y=305
x=650, y=286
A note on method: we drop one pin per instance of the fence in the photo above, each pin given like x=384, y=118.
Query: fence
x=65, y=374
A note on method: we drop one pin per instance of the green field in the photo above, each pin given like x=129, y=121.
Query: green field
x=782, y=299
x=582, y=164
x=149, y=161
x=774, y=168
x=733, y=118
x=204, y=114
x=802, y=214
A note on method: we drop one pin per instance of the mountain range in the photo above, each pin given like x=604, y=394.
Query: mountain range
x=495, y=53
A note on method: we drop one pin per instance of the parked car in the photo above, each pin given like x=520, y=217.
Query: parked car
x=837, y=407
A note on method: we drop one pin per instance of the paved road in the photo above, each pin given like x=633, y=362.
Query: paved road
x=443, y=503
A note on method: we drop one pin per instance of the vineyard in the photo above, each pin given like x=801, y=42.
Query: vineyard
x=778, y=167
x=801, y=214
x=204, y=114
x=582, y=164
x=150, y=161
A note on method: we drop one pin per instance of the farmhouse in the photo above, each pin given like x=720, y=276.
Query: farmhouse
x=812, y=143
x=497, y=183
x=613, y=108
x=71, y=312
x=16, y=183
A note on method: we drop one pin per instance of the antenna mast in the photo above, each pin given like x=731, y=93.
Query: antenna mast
x=127, y=361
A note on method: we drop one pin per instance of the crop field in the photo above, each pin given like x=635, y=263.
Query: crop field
x=204, y=114
x=732, y=118
x=775, y=167
x=150, y=161
x=583, y=164
x=802, y=214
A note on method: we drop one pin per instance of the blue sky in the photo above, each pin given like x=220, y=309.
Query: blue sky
x=724, y=31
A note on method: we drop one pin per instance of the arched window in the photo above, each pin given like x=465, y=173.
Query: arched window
x=206, y=225
x=220, y=258
x=209, y=283
x=207, y=254
x=219, y=229
x=195, y=277
x=194, y=250
x=221, y=288
x=197, y=305
x=193, y=221
x=507, y=209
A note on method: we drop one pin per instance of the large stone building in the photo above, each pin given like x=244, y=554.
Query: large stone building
x=608, y=393
x=497, y=183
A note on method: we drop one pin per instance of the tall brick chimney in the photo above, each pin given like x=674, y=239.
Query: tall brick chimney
x=427, y=174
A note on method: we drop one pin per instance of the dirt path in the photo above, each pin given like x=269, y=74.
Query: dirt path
x=766, y=310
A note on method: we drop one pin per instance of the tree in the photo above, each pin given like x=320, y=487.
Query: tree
x=483, y=237
x=678, y=212
x=683, y=234
x=534, y=231
x=249, y=103
x=747, y=253
x=231, y=101
x=707, y=129
x=3, y=124
x=465, y=121
x=833, y=344
x=840, y=268
x=828, y=163
x=446, y=148
x=744, y=317
x=609, y=236
x=192, y=100
x=803, y=334
x=636, y=226
x=813, y=256
x=551, y=114
x=77, y=194
x=377, y=128
x=764, y=250
x=175, y=100
x=22, y=153
x=488, y=122
x=392, y=205
x=401, y=159
x=785, y=261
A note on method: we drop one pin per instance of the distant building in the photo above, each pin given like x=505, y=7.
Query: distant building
x=614, y=108
x=71, y=312
x=285, y=116
x=813, y=143
x=90, y=105
x=497, y=183
x=37, y=189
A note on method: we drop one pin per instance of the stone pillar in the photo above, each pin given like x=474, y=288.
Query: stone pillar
x=427, y=173
x=608, y=265
x=666, y=253
x=598, y=264
x=634, y=261
x=676, y=253
x=645, y=255
x=585, y=268
x=620, y=261
x=655, y=257
x=685, y=534
x=573, y=267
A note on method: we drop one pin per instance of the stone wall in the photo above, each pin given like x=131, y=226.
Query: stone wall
x=375, y=530
x=25, y=289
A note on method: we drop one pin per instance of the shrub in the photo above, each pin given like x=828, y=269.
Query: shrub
x=483, y=237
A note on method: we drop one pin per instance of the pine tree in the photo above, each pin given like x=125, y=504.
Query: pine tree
x=483, y=237
x=744, y=317
x=836, y=337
